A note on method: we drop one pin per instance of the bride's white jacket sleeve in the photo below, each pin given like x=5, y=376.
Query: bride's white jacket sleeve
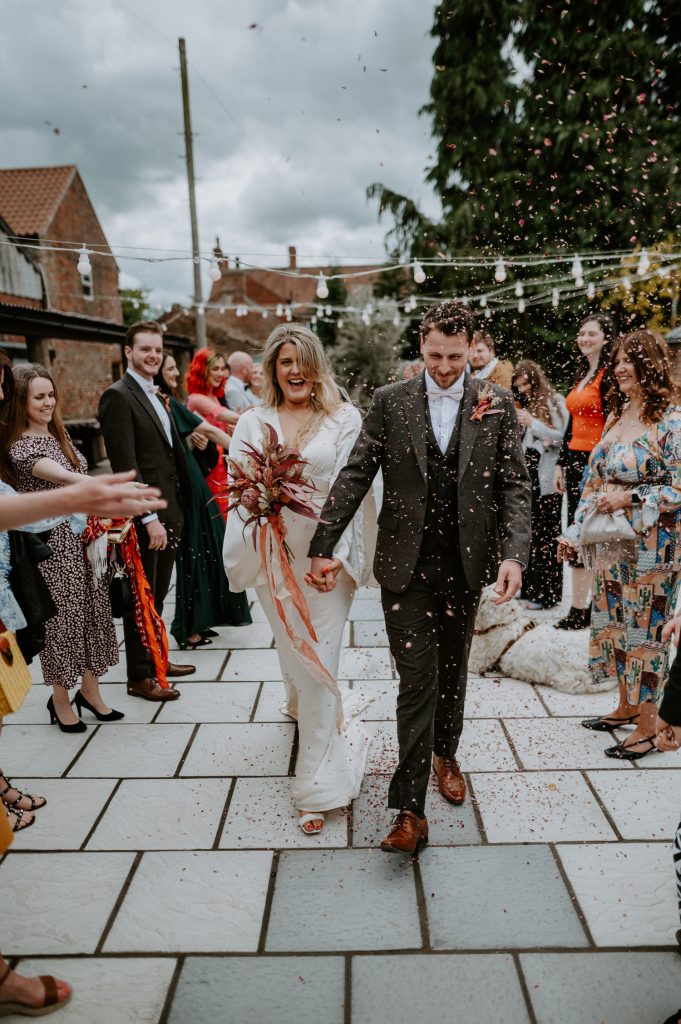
x=357, y=544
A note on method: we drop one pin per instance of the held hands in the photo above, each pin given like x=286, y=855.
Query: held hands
x=565, y=551
x=508, y=581
x=613, y=500
x=158, y=538
x=323, y=573
x=668, y=736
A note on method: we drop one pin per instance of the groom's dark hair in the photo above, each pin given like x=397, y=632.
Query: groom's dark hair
x=450, y=318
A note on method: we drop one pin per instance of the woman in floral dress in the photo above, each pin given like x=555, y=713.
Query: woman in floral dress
x=636, y=467
x=80, y=640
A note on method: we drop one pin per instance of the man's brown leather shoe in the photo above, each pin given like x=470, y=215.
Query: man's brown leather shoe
x=151, y=689
x=409, y=833
x=450, y=781
x=174, y=671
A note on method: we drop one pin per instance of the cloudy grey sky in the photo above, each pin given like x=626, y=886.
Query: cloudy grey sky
x=293, y=118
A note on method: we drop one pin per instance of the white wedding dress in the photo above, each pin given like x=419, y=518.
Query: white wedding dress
x=333, y=744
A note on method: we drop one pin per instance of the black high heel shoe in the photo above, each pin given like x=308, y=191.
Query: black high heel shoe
x=191, y=646
x=82, y=702
x=54, y=717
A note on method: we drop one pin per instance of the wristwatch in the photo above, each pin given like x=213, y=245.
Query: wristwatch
x=635, y=498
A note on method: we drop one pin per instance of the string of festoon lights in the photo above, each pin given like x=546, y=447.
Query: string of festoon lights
x=589, y=273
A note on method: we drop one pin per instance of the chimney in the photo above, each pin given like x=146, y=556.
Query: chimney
x=292, y=261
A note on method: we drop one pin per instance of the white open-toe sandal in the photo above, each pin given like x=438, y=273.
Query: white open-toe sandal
x=312, y=816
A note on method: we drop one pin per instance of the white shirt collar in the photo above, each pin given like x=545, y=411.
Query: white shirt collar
x=433, y=385
x=486, y=371
x=146, y=385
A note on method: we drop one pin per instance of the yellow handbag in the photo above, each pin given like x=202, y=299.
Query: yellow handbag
x=15, y=679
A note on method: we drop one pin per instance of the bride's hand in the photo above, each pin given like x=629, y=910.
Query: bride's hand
x=323, y=573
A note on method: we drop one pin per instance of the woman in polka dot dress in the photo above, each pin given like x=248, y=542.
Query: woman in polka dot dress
x=80, y=638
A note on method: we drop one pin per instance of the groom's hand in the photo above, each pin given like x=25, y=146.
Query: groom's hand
x=508, y=581
x=323, y=572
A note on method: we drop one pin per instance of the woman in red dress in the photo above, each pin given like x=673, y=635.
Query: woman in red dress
x=205, y=387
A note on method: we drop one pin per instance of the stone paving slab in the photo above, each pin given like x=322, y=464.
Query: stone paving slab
x=343, y=899
x=626, y=988
x=477, y=989
x=262, y=990
x=193, y=902
x=109, y=989
x=65, y=900
x=73, y=806
x=119, y=751
x=641, y=810
x=254, y=749
x=260, y=817
x=491, y=897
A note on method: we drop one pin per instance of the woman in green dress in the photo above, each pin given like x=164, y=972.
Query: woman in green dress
x=203, y=599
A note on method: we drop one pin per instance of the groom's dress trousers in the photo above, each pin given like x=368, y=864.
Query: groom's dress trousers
x=429, y=629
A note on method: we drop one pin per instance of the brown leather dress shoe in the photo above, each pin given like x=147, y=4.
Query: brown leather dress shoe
x=174, y=671
x=150, y=689
x=409, y=833
x=450, y=781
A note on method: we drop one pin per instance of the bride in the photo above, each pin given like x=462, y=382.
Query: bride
x=302, y=402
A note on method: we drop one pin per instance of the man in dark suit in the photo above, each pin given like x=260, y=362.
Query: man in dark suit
x=455, y=516
x=139, y=433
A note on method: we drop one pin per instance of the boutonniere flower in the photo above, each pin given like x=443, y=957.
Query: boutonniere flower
x=487, y=402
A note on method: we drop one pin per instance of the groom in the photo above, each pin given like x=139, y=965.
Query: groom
x=455, y=516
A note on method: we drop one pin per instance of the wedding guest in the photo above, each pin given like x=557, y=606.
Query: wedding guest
x=80, y=640
x=303, y=404
x=140, y=434
x=485, y=364
x=635, y=467
x=204, y=385
x=668, y=728
x=586, y=404
x=240, y=374
x=255, y=388
x=107, y=496
x=203, y=598
x=544, y=417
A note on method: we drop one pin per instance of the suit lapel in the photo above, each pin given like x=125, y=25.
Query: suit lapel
x=144, y=403
x=414, y=402
x=468, y=429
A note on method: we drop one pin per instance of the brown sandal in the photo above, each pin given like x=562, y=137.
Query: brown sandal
x=51, y=1001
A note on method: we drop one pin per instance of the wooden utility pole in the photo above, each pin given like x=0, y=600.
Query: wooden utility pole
x=189, y=159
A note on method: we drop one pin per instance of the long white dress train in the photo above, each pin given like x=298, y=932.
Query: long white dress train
x=331, y=757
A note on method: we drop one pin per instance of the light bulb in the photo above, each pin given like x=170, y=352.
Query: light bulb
x=366, y=319
x=329, y=311
x=319, y=311
x=396, y=320
x=280, y=310
x=214, y=271
x=244, y=310
x=577, y=269
x=643, y=263
x=339, y=323
x=521, y=305
x=579, y=281
x=483, y=302
x=84, y=266
x=419, y=272
x=500, y=270
x=264, y=314
x=488, y=313
x=555, y=296
x=519, y=289
x=591, y=290
x=322, y=287
x=289, y=314
x=135, y=304
x=313, y=322
x=222, y=309
x=626, y=283
x=200, y=310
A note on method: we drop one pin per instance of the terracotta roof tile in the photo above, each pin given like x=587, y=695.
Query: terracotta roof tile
x=30, y=196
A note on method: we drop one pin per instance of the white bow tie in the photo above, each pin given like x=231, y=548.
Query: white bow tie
x=454, y=391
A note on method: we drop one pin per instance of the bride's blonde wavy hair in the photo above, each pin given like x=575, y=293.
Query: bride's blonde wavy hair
x=314, y=365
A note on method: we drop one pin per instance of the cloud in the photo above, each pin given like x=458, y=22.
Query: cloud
x=292, y=119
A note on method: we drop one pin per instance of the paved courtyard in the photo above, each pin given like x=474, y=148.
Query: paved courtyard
x=168, y=881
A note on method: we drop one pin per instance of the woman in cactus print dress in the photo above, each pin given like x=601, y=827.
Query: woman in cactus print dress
x=636, y=467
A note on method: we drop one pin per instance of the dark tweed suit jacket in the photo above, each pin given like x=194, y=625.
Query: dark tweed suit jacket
x=493, y=489
x=135, y=439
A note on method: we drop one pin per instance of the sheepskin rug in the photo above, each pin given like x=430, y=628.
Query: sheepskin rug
x=509, y=642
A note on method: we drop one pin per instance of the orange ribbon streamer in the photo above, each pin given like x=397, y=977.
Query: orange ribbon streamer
x=149, y=623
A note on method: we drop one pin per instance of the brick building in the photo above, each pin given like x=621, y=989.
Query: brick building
x=51, y=204
x=261, y=293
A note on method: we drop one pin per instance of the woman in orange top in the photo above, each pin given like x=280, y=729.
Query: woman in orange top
x=205, y=385
x=586, y=405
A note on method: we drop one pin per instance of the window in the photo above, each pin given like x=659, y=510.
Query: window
x=88, y=287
